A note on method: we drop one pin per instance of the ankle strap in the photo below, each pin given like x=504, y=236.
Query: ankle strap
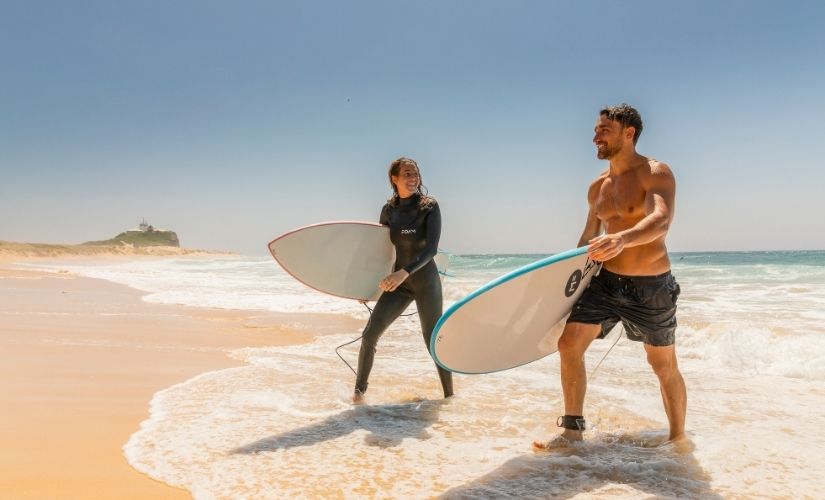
x=572, y=422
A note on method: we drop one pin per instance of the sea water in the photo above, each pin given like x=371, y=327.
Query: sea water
x=750, y=343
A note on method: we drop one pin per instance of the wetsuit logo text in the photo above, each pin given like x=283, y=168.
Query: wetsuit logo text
x=408, y=231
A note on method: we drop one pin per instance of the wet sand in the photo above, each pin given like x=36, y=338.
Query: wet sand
x=80, y=360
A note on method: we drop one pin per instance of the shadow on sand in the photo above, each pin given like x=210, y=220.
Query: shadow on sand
x=387, y=424
x=641, y=461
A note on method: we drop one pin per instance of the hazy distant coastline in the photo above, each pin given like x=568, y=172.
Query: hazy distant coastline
x=143, y=240
x=12, y=250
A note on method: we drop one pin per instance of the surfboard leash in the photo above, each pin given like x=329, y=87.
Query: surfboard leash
x=342, y=358
x=359, y=338
x=593, y=373
x=400, y=315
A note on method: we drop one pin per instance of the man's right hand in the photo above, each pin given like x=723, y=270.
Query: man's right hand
x=605, y=247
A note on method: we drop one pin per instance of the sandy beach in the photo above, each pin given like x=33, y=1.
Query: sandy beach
x=80, y=359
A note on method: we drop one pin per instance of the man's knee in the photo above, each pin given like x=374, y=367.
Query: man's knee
x=576, y=337
x=663, y=361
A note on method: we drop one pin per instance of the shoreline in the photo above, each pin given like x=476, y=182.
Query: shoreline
x=82, y=358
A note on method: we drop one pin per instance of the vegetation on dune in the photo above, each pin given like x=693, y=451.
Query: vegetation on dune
x=142, y=239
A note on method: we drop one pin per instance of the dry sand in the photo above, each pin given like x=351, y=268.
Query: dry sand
x=79, y=362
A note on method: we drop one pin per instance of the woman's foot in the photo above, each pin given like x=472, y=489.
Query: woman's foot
x=357, y=397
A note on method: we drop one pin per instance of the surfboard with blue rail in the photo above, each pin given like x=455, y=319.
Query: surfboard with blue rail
x=514, y=319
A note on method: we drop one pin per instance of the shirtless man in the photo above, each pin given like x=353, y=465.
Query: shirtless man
x=631, y=207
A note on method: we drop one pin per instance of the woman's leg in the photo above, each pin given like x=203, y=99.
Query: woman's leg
x=430, y=305
x=389, y=306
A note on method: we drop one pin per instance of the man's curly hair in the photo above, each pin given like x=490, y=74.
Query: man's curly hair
x=626, y=115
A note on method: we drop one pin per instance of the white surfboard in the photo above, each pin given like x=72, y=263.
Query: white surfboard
x=514, y=319
x=442, y=263
x=343, y=258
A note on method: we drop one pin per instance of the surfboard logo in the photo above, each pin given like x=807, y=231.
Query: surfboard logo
x=575, y=279
x=590, y=265
x=573, y=283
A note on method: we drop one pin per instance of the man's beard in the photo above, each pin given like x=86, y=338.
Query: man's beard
x=607, y=152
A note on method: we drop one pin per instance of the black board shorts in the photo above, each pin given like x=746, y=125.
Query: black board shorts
x=646, y=306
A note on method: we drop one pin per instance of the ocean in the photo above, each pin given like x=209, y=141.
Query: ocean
x=750, y=343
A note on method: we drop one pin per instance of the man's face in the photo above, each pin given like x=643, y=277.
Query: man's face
x=609, y=138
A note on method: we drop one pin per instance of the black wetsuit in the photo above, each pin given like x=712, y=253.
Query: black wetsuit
x=414, y=230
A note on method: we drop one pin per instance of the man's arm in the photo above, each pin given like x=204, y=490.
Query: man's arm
x=660, y=197
x=593, y=226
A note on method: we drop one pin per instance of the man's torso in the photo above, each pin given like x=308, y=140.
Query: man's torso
x=621, y=202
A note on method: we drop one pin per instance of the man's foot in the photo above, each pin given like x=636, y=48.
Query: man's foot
x=564, y=440
x=682, y=444
x=357, y=397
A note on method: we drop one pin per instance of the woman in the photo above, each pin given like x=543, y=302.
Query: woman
x=415, y=227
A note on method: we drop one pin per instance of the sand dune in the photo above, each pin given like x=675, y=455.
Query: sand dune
x=11, y=251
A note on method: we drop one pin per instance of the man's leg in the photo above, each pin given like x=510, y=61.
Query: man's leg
x=674, y=395
x=574, y=341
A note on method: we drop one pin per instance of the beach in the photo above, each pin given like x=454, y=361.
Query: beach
x=79, y=363
x=217, y=377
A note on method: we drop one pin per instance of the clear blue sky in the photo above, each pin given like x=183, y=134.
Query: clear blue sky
x=232, y=122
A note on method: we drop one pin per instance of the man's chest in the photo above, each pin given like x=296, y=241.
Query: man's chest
x=622, y=198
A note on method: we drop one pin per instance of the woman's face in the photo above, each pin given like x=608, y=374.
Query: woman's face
x=407, y=181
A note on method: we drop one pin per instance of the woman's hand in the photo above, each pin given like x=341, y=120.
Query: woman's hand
x=391, y=282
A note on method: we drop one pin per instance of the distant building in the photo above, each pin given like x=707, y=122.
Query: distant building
x=144, y=227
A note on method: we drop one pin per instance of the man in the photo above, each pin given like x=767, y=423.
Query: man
x=631, y=207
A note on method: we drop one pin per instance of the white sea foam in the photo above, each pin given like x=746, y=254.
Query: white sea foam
x=223, y=282
x=282, y=426
x=268, y=429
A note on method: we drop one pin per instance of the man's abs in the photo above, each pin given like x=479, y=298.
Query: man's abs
x=650, y=259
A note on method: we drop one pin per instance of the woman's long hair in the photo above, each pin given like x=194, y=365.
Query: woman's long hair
x=395, y=167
